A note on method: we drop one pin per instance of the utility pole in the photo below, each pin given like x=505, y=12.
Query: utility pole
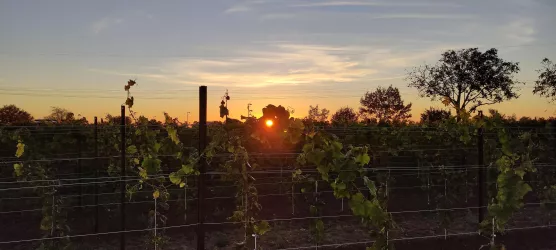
x=187, y=121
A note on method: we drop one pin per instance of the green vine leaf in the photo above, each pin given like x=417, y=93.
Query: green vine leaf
x=157, y=147
x=319, y=227
x=340, y=189
x=296, y=173
x=187, y=169
x=307, y=147
x=173, y=134
x=370, y=185
x=46, y=223
x=129, y=102
x=175, y=178
x=316, y=156
x=143, y=173
x=20, y=149
x=362, y=159
x=156, y=194
x=131, y=149
x=262, y=228
x=18, y=169
x=151, y=165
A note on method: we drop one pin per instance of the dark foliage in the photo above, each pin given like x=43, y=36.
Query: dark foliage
x=433, y=115
x=12, y=115
x=467, y=79
x=278, y=114
x=317, y=115
x=385, y=104
x=344, y=116
x=545, y=86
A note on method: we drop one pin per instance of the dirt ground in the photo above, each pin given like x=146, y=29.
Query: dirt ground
x=414, y=231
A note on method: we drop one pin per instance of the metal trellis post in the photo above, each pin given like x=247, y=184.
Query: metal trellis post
x=123, y=177
x=202, y=166
x=97, y=165
x=481, y=171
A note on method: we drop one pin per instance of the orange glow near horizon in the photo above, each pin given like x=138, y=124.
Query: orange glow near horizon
x=269, y=123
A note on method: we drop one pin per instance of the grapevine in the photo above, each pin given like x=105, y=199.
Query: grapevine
x=513, y=163
x=53, y=222
x=340, y=167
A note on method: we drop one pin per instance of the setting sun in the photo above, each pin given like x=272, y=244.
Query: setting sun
x=269, y=123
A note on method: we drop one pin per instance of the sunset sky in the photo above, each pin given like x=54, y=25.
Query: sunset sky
x=79, y=54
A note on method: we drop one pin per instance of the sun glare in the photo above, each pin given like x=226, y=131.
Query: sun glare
x=269, y=123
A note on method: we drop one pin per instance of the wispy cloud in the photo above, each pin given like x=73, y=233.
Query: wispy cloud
x=421, y=16
x=246, y=5
x=128, y=74
x=373, y=3
x=520, y=31
x=283, y=64
x=239, y=8
x=277, y=16
x=104, y=23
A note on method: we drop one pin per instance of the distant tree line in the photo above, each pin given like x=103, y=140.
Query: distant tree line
x=462, y=80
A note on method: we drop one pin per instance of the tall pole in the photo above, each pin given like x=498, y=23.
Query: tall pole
x=481, y=172
x=202, y=167
x=188, y=119
x=95, y=135
x=123, y=177
x=80, y=170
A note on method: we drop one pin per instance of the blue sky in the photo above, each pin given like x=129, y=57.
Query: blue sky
x=79, y=54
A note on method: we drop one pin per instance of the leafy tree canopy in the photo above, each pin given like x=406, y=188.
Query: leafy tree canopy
x=278, y=114
x=467, y=79
x=60, y=115
x=433, y=115
x=12, y=115
x=385, y=104
x=545, y=86
x=316, y=114
x=344, y=116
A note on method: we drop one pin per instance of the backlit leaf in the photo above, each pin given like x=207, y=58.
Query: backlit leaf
x=131, y=149
x=173, y=134
x=156, y=194
x=370, y=185
x=129, y=102
x=157, y=147
x=20, y=149
x=261, y=228
x=175, y=178
x=18, y=169
x=362, y=159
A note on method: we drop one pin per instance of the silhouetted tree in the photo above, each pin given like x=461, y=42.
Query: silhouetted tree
x=545, y=86
x=433, y=115
x=115, y=120
x=344, y=116
x=278, y=114
x=385, y=104
x=12, y=115
x=467, y=79
x=317, y=115
x=60, y=115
